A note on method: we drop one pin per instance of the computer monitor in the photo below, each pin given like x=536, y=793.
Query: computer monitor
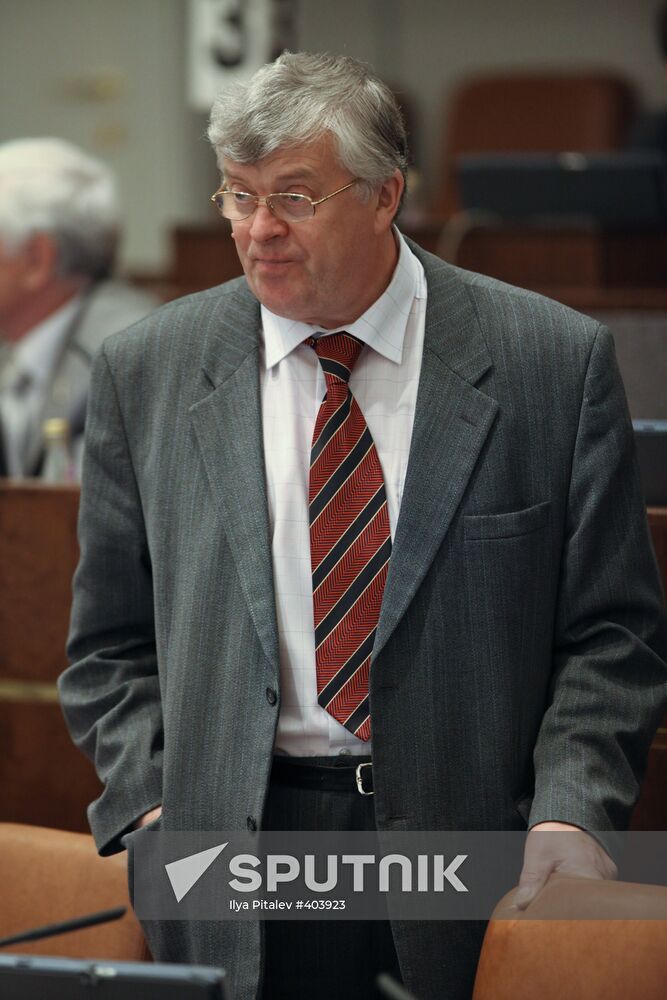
x=36, y=977
x=618, y=189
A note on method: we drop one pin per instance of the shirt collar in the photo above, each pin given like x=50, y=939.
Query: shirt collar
x=381, y=327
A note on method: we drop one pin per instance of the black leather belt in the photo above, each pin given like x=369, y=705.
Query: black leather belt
x=345, y=773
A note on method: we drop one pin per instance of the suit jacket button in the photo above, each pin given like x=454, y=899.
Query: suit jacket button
x=271, y=696
x=251, y=823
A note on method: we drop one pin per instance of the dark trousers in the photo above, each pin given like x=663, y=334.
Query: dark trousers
x=323, y=959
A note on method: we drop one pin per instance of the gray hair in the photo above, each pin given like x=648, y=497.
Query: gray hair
x=50, y=186
x=300, y=97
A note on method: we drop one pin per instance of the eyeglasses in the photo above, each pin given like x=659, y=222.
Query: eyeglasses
x=289, y=207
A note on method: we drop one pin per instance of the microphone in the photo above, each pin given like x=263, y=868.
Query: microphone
x=50, y=930
x=389, y=988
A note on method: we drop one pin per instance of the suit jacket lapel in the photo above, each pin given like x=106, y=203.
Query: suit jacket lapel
x=228, y=426
x=66, y=393
x=452, y=420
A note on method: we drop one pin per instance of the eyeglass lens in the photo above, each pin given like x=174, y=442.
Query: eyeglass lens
x=236, y=205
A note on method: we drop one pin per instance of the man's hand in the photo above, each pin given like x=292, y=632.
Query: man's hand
x=148, y=817
x=574, y=853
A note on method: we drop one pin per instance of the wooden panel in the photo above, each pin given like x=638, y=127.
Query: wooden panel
x=533, y=257
x=38, y=556
x=44, y=779
x=582, y=268
x=204, y=255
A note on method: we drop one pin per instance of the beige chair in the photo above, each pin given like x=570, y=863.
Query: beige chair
x=581, y=939
x=48, y=876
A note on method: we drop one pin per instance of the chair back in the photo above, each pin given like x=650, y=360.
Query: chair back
x=582, y=939
x=536, y=113
x=48, y=876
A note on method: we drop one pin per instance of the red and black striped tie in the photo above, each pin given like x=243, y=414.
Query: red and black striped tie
x=350, y=542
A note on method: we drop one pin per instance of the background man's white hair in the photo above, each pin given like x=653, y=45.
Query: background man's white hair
x=51, y=186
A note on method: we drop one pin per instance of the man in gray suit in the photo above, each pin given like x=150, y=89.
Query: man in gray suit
x=59, y=228
x=514, y=612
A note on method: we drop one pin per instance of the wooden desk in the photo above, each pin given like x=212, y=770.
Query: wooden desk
x=548, y=257
x=584, y=269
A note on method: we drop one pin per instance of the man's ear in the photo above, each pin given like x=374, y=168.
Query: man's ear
x=41, y=259
x=388, y=200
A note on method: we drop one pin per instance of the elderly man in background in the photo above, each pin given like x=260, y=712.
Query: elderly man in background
x=59, y=227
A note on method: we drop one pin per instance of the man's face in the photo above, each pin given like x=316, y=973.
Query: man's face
x=326, y=270
x=30, y=286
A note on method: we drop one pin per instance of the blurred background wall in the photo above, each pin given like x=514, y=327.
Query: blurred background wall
x=111, y=76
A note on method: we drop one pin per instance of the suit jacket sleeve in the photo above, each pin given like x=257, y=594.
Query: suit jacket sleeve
x=110, y=694
x=609, y=677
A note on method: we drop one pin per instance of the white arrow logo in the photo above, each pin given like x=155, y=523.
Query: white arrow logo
x=185, y=872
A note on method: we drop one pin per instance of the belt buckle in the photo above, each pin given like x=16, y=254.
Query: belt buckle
x=360, y=778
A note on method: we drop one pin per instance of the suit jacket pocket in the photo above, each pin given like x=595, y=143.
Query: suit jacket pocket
x=478, y=527
x=510, y=591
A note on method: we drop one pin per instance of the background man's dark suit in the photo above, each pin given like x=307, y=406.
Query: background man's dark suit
x=107, y=307
x=517, y=671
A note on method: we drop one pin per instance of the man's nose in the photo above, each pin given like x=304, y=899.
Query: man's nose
x=264, y=225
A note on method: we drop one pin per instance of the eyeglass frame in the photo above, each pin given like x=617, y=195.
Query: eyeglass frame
x=266, y=200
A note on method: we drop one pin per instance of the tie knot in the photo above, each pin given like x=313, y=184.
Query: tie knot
x=338, y=353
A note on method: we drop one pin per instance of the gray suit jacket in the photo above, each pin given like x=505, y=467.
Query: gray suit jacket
x=518, y=671
x=108, y=307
